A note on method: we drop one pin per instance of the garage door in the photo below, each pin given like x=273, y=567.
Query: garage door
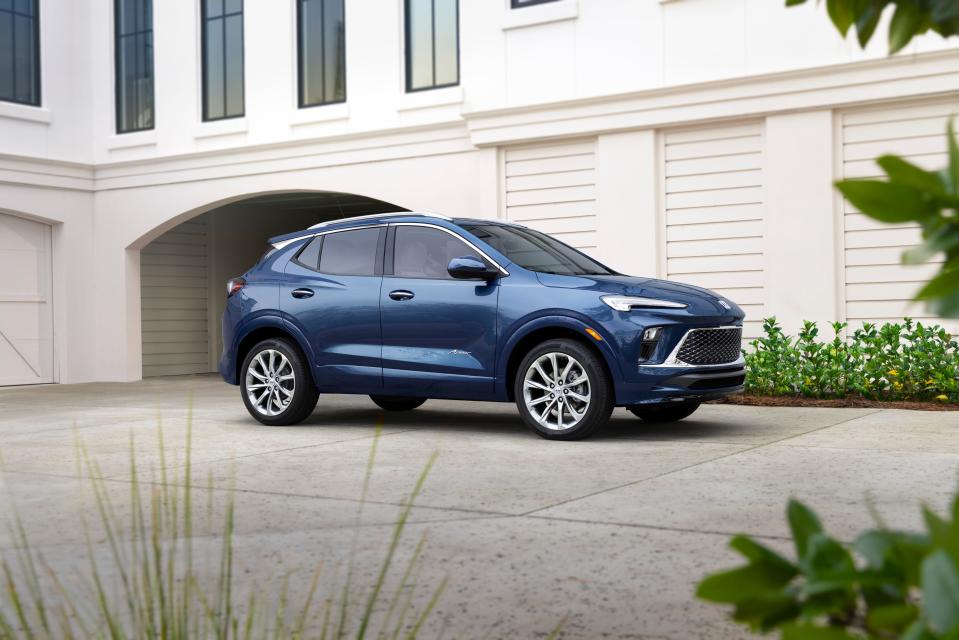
x=552, y=188
x=878, y=288
x=26, y=314
x=714, y=213
x=174, y=301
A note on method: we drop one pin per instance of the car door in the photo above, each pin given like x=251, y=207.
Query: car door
x=331, y=291
x=439, y=333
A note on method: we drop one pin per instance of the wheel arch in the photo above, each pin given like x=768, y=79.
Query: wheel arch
x=550, y=328
x=264, y=328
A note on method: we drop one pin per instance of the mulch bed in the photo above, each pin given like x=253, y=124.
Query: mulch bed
x=800, y=401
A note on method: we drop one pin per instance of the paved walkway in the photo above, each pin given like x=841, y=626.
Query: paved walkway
x=614, y=531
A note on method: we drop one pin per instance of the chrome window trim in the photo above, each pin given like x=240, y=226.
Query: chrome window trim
x=673, y=362
x=455, y=235
x=374, y=216
x=286, y=243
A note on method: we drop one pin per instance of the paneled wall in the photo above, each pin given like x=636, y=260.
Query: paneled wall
x=553, y=188
x=878, y=287
x=714, y=213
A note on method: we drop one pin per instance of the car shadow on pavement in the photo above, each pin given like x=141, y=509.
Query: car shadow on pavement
x=620, y=427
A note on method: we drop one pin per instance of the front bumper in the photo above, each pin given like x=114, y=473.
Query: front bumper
x=659, y=384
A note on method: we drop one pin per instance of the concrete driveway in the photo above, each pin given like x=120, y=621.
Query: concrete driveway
x=613, y=532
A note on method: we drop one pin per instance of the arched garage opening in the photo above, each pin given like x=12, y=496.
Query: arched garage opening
x=183, y=272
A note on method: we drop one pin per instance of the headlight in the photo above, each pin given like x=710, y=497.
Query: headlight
x=627, y=303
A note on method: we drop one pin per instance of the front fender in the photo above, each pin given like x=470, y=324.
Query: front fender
x=549, y=322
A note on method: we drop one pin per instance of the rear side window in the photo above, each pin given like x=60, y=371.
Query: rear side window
x=422, y=252
x=309, y=256
x=349, y=253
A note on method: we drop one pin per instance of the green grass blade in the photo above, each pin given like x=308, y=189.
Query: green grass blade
x=429, y=609
x=394, y=543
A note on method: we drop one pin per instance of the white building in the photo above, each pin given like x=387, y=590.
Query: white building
x=689, y=139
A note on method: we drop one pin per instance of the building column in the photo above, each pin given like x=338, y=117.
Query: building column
x=801, y=249
x=117, y=298
x=627, y=203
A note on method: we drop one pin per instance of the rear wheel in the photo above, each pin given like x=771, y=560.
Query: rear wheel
x=664, y=412
x=397, y=403
x=276, y=384
x=562, y=390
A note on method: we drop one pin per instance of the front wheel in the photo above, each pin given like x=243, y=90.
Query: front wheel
x=664, y=412
x=397, y=403
x=276, y=385
x=563, y=391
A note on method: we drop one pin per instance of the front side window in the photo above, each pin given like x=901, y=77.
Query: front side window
x=133, y=43
x=322, y=52
x=422, y=252
x=20, y=51
x=432, y=44
x=537, y=251
x=222, y=59
x=350, y=253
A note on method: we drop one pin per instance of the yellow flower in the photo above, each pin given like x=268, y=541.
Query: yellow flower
x=893, y=372
x=942, y=398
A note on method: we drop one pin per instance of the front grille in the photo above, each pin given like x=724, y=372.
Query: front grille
x=711, y=346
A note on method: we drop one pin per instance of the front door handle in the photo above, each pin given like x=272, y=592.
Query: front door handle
x=302, y=293
x=401, y=294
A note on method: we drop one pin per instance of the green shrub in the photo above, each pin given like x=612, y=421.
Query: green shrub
x=895, y=361
x=887, y=584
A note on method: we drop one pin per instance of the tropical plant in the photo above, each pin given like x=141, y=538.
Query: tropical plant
x=886, y=584
x=910, y=18
x=149, y=582
x=911, y=194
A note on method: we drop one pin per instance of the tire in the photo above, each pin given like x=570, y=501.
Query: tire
x=277, y=408
x=397, y=403
x=532, y=391
x=664, y=412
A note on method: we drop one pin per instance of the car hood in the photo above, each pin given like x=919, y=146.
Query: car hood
x=698, y=301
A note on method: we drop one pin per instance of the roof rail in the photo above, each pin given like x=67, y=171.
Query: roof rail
x=373, y=216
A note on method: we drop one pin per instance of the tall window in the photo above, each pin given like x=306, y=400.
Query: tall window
x=432, y=44
x=222, y=59
x=20, y=51
x=322, y=52
x=133, y=31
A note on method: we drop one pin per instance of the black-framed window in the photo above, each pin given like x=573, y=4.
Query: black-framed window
x=519, y=4
x=20, y=51
x=321, y=47
x=223, y=87
x=350, y=253
x=424, y=252
x=432, y=44
x=133, y=44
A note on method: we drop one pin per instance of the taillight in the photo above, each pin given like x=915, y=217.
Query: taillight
x=234, y=285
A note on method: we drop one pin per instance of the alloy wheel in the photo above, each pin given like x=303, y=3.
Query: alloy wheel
x=556, y=391
x=270, y=382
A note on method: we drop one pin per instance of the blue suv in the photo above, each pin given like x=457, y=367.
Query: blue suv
x=410, y=306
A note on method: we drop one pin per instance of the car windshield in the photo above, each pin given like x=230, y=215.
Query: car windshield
x=537, y=251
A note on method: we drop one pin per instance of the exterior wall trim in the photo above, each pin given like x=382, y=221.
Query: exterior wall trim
x=833, y=86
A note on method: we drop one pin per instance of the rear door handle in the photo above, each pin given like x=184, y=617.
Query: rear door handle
x=302, y=293
x=401, y=294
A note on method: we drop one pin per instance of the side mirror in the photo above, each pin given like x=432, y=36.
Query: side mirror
x=471, y=268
